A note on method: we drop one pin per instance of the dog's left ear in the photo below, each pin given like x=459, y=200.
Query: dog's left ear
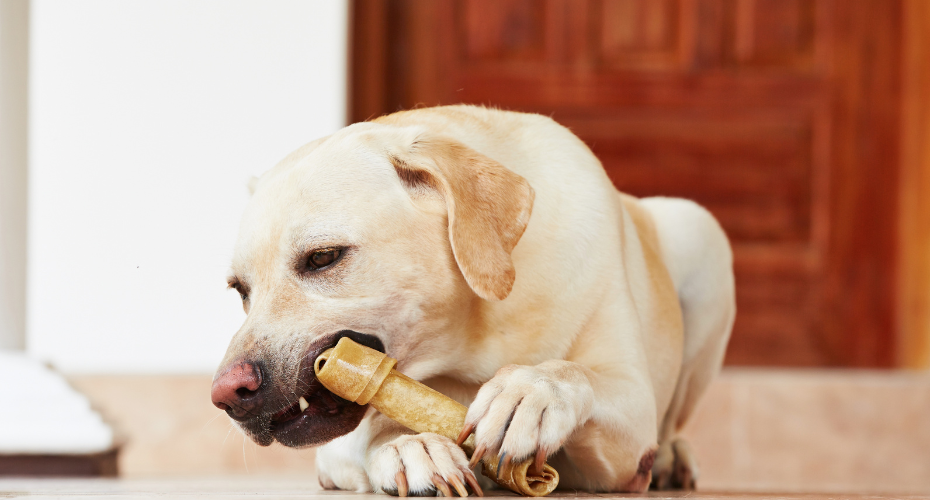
x=488, y=207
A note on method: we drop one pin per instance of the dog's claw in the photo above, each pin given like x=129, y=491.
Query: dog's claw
x=473, y=483
x=538, y=462
x=466, y=431
x=457, y=484
x=401, y=479
x=476, y=456
x=442, y=485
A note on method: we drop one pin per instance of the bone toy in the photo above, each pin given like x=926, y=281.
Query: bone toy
x=366, y=376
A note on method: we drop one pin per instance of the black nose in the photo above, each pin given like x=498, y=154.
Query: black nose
x=238, y=390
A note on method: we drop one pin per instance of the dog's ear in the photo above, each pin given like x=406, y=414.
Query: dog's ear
x=488, y=207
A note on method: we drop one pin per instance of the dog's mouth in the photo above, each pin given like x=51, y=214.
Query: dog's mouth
x=317, y=401
x=316, y=415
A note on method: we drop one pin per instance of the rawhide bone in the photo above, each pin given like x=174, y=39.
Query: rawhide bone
x=366, y=376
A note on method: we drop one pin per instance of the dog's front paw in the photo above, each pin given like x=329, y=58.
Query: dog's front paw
x=528, y=410
x=421, y=465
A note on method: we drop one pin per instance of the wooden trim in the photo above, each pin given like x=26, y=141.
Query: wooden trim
x=102, y=464
x=368, y=57
x=914, y=222
x=386, y=75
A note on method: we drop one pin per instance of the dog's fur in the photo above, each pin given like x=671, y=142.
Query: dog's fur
x=493, y=257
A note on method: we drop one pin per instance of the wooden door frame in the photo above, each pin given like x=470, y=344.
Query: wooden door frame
x=378, y=32
x=914, y=219
x=368, y=48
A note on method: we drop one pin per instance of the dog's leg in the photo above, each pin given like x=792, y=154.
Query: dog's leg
x=383, y=456
x=341, y=463
x=604, y=424
x=700, y=262
x=420, y=465
x=675, y=467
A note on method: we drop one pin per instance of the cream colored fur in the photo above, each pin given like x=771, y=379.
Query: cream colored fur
x=497, y=262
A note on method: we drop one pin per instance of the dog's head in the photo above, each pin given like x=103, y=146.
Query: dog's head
x=387, y=234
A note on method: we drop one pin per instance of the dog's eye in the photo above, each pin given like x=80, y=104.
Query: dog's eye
x=241, y=290
x=322, y=258
x=239, y=287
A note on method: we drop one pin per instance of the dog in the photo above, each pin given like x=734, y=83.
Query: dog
x=490, y=254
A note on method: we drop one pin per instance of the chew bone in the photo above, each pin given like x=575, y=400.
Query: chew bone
x=366, y=376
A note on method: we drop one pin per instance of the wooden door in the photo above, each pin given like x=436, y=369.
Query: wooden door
x=779, y=116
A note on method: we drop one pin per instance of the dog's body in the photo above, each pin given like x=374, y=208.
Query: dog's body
x=589, y=342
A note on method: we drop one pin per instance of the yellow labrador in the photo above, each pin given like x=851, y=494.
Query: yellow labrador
x=490, y=254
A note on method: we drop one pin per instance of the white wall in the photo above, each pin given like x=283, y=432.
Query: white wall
x=147, y=119
x=14, y=51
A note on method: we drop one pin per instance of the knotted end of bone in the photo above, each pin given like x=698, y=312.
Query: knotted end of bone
x=352, y=371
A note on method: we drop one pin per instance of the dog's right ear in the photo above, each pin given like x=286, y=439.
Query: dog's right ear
x=488, y=207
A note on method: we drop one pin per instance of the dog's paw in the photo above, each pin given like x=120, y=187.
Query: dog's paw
x=528, y=411
x=421, y=465
x=675, y=467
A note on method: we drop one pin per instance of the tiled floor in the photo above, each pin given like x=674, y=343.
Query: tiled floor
x=811, y=433
x=234, y=489
x=756, y=430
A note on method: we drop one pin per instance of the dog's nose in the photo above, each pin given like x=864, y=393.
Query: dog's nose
x=238, y=390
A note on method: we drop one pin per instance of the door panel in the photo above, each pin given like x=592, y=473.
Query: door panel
x=769, y=113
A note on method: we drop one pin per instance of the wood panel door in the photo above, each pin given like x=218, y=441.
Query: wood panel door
x=779, y=116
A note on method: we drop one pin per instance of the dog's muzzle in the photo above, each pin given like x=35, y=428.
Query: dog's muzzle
x=304, y=414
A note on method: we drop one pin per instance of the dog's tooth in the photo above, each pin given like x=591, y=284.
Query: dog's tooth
x=303, y=403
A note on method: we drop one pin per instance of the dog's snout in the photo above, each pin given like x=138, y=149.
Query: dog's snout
x=238, y=390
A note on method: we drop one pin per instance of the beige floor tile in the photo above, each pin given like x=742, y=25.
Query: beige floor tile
x=815, y=431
